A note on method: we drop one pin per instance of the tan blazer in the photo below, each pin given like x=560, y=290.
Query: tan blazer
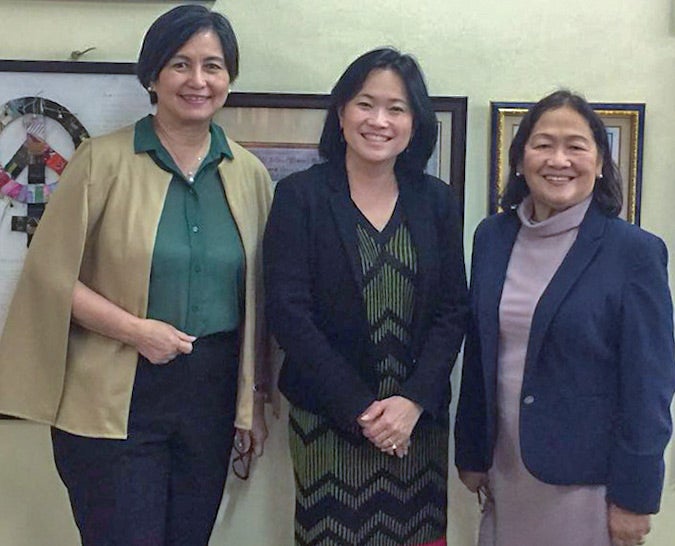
x=100, y=227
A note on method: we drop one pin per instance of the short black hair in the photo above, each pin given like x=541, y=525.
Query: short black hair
x=414, y=159
x=607, y=189
x=175, y=27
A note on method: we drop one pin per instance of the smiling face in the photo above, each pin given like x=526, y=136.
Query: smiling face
x=194, y=83
x=560, y=161
x=377, y=122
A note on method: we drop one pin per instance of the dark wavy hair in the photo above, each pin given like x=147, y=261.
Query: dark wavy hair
x=607, y=189
x=175, y=27
x=414, y=159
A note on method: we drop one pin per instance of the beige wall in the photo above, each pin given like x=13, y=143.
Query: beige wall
x=484, y=49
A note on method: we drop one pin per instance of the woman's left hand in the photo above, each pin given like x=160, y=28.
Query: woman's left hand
x=254, y=439
x=389, y=423
x=627, y=528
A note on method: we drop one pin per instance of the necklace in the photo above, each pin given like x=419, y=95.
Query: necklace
x=193, y=170
x=187, y=165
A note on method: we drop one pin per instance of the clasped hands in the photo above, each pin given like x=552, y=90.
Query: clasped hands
x=389, y=423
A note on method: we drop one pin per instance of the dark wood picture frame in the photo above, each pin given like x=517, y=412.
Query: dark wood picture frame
x=451, y=111
x=261, y=114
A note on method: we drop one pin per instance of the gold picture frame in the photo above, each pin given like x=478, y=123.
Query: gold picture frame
x=625, y=128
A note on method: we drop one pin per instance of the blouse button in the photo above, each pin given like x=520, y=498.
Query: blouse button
x=528, y=400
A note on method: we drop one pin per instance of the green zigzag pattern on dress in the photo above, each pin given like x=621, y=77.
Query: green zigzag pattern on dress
x=356, y=497
x=381, y=530
x=342, y=483
x=388, y=288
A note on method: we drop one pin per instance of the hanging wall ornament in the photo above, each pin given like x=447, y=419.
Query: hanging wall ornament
x=35, y=152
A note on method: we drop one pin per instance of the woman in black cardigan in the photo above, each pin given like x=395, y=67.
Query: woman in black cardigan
x=366, y=293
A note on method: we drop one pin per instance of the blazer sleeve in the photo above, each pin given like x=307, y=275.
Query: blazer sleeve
x=341, y=392
x=32, y=373
x=429, y=383
x=471, y=450
x=646, y=380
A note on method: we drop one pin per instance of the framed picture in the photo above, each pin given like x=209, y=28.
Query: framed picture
x=77, y=100
x=280, y=128
x=625, y=130
x=283, y=130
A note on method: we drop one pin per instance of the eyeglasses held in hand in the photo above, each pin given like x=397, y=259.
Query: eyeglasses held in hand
x=241, y=463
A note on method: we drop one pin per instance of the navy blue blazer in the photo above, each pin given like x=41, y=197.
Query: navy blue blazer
x=314, y=300
x=599, y=371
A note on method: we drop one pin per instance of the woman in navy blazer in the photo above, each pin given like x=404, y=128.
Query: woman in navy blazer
x=590, y=408
x=366, y=290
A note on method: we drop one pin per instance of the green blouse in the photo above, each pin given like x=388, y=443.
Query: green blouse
x=197, y=275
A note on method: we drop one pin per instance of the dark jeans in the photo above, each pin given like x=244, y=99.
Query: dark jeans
x=162, y=485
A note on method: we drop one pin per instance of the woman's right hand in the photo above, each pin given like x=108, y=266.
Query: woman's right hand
x=473, y=480
x=157, y=341
x=626, y=528
x=160, y=342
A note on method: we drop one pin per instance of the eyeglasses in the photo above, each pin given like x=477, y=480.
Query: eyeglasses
x=241, y=464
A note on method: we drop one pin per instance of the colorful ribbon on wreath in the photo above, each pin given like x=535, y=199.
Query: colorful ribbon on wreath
x=25, y=193
x=36, y=109
x=34, y=145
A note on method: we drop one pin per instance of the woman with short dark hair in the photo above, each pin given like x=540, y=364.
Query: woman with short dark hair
x=564, y=411
x=153, y=339
x=168, y=34
x=366, y=291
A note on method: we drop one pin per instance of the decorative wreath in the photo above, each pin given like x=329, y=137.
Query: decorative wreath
x=34, y=110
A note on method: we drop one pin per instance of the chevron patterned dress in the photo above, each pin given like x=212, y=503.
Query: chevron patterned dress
x=347, y=491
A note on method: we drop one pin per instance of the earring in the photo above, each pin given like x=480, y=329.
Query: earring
x=150, y=89
x=518, y=174
x=601, y=176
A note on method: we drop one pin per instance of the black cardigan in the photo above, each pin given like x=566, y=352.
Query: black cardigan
x=315, y=307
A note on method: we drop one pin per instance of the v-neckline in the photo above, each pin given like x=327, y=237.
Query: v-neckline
x=383, y=235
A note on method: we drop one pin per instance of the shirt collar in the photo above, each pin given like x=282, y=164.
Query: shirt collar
x=146, y=140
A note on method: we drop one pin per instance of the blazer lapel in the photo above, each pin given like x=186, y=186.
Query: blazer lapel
x=419, y=218
x=500, y=253
x=344, y=214
x=491, y=281
x=579, y=256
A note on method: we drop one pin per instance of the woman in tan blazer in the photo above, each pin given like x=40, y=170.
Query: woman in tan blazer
x=136, y=327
